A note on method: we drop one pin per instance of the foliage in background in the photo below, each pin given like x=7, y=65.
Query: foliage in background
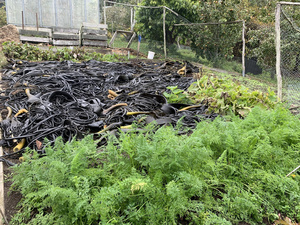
x=216, y=41
x=150, y=21
x=2, y=16
x=222, y=173
x=209, y=42
x=33, y=53
x=262, y=45
x=118, y=17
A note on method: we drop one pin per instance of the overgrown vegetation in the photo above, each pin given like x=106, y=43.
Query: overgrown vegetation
x=222, y=95
x=222, y=173
x=29, y=52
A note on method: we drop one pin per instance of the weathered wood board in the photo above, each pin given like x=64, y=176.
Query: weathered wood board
x=94, y=43
x=66, y=42
x=34, y=39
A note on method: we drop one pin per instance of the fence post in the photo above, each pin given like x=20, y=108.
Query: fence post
x=23, y=27
x=278, y=56
x=131, y=18
x=37, y=21
x=244, y=47
x=164, y=29
x=23, y=13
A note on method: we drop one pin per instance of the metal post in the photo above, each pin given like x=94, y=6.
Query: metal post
x=37, y=21
x=23, y=13
x=164, y=30
x=104, y=12
x=131, y=18
x=244, y=47
x=23, y=20
x=278, y=56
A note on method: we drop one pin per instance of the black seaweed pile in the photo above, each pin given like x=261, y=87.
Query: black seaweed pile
x=51, y=99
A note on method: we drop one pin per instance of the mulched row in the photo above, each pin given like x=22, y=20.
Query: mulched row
x=51, y=99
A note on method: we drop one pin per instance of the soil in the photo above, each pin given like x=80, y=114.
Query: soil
x=9, y=33
x=124, y=51
x=11, y=198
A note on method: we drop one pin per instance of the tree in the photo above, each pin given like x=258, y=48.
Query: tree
x=214, y=41
x=207, y=41
x=150, y=21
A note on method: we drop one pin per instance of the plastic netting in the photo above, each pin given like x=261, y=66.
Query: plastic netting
x=53, y=13
x=14, y=11
x=290, y=53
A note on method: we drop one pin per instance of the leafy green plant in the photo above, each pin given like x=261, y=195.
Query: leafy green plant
x=222, y=173
x=224, y=96
x=176, y=95
x=33, y=53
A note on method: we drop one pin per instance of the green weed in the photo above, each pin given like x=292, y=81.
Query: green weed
x=176, y=95
x=223, y=96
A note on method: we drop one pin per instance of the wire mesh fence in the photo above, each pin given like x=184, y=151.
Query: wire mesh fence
x=170, y=35
x=290, y=52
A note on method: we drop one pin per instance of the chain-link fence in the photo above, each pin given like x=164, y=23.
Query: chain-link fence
x=288, y=52
x=53, y=13
x=124, y=20
x=170, y=35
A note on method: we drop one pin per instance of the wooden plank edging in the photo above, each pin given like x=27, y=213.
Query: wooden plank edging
x=34, y=39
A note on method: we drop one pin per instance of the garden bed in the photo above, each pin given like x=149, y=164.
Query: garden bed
x=219, y=172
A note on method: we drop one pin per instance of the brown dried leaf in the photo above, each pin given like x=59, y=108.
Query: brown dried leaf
x=38, y=144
